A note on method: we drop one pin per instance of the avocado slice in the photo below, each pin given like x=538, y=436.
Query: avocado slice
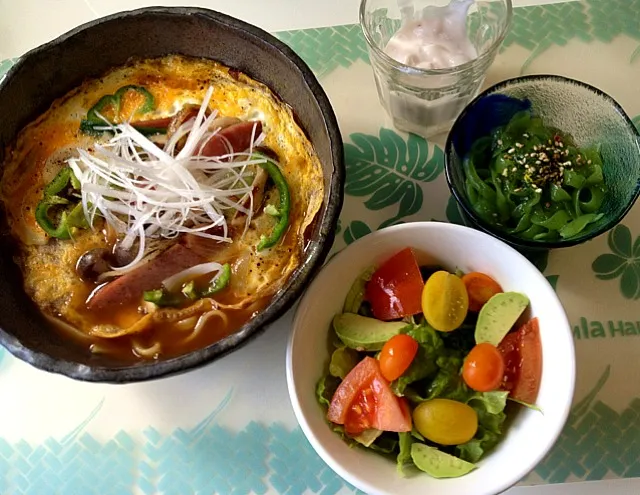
x=438, y=464
x=498, y=315
x=363, y=333
x=367, y=437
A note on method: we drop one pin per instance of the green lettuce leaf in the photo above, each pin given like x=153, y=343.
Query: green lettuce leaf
x=533, y=407
x=412, y=395
x=404, y=459
x=474, y=449
x=424, y=364
x=462, y=339
x=386, y=443
x=426, y=335
x=491, y=416
x=416, y=434
x=493, y=402
x=343, y=360
x=326, y=387
x=448, y=382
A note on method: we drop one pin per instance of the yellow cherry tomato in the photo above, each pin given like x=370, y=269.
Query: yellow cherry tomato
x=445, y=301
x=445, y=421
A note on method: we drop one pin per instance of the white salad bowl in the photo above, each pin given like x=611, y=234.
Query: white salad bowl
x=529, y=434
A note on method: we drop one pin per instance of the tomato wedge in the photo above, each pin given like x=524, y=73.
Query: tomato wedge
x=395, y=288
x=364, y=401
x=522, y=353
x=480, y=288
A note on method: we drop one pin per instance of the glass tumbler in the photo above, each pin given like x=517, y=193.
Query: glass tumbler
x=427, y=101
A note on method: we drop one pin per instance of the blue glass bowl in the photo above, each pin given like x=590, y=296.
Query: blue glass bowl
x=588, y=114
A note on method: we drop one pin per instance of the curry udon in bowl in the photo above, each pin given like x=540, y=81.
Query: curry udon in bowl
x=158, y=208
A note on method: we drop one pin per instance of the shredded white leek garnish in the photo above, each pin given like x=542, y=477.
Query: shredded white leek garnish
x=144, y=191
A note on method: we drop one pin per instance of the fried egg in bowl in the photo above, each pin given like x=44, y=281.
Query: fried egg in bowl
x=167, y=207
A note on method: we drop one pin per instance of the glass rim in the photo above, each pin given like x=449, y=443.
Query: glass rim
x=408, y=69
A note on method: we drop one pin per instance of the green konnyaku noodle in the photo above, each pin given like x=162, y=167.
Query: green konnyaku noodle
x=532, y=180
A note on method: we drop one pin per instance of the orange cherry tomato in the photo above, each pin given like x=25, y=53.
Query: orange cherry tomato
x=483, y=368
x=480, y=288
x=397, y=355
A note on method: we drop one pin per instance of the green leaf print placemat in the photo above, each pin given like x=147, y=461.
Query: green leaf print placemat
x=391, y=178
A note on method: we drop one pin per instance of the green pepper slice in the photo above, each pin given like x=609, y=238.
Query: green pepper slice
x=71, y=217
x=190, y=291
x=278, y=179
x=60, y=182
x=59, y=231
x=149, y=102
x=161, y=298
x=94, y=121
x=219, y=282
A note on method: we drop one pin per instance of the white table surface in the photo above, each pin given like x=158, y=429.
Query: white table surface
x=25, y=24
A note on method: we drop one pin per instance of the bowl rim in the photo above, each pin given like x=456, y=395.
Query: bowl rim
x=360, y=244
x=316, y=251
x=509, y=238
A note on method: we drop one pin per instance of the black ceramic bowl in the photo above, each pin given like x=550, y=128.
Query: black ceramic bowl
x=50, y=71
x=588, y=114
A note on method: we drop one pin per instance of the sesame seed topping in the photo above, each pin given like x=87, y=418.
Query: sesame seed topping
x=538, y=162
x=514, y=169
x=588, y=162
x=519, y=145
x=525, y=135
x=511, y=150
x=538, y=190
x=500, y=142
